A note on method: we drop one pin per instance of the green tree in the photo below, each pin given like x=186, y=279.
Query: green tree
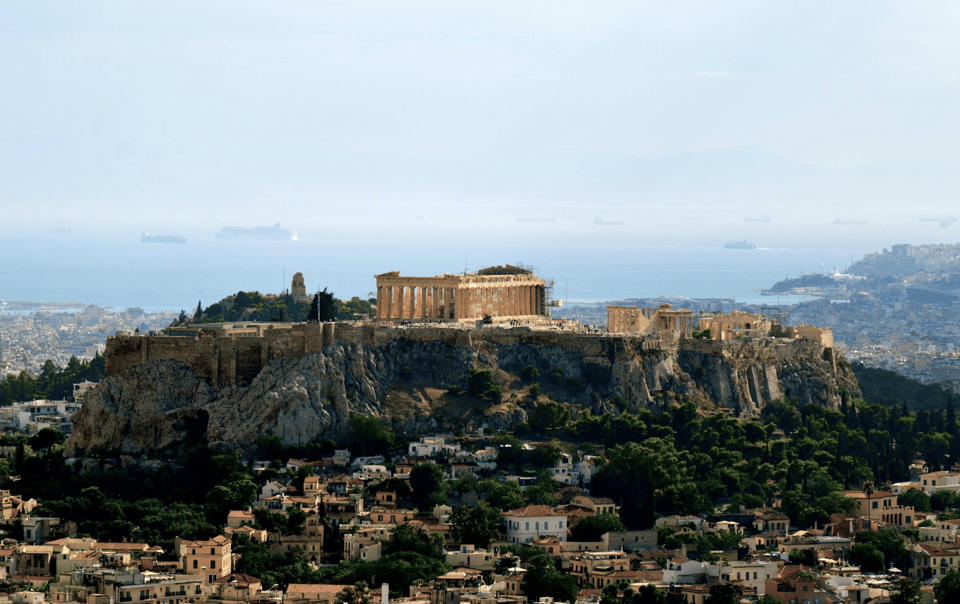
x=368, y=435
x=326, y=306
x=427, y=486
x=916, y=498
x=637, y=475
x=908, y=592
x=868, y=557
x=314, y=315
x=478, y=525
x=592, y=528
x=542, y=579
x=548, y=415
x=724, y=593
x=406, y=538
x=948, y=590
x=46, y=438
x=502, y=495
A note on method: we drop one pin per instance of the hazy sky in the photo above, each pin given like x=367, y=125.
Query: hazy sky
x=165, y=111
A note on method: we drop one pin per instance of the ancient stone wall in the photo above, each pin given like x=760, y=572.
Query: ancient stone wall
x=225, y=360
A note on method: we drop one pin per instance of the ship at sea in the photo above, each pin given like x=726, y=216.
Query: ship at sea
x=599, y=222
x=274, y=233
x=945, y=221
x=148, y=238
x=740, y=245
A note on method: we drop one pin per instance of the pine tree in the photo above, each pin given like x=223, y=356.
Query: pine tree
x=314, y=315
x=199, y=314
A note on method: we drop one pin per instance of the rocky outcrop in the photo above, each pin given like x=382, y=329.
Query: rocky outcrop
x=411, y=377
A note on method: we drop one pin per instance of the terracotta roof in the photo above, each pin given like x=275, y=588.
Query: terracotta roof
x=533, y=511
x=218, y=540
x=122, y=547
x=238, y=578
x=314, y=588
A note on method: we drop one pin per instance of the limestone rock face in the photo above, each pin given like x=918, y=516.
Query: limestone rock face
x=410, y=379
x=151, y=407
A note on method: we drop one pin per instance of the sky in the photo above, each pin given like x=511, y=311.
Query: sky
x=427, y=117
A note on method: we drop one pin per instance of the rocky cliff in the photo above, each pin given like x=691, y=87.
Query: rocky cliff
x=414, y=377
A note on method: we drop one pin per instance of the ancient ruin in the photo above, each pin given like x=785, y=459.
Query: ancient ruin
x=506, y=292
x=645, y=320
x=735, y=325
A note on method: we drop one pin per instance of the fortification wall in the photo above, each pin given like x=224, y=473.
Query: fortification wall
x=237, y=360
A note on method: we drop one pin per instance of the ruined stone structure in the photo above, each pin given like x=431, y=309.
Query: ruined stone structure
x=744, y=324
x=631, y=319
x=222, y=353
x=499, y=293
x=297, y=287
x=737, y=324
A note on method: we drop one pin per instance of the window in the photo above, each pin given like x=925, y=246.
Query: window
x=876, y=505
x=213, y=552
x=194, y=564
x=213, y=565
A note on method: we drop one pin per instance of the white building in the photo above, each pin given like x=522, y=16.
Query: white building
x=754, y=574
x=36, y=415
x=430, y=446
x=931, y=482
x=527, y=523
x=468, y=556
x=684, y=571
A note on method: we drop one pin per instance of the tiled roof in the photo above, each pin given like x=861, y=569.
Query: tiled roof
x=533, y=511
x=314, y=588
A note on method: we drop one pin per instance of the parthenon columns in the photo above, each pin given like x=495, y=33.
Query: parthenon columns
x=498, y=292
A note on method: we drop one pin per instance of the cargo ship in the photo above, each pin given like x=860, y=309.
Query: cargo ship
x=275, y=233
x=740, y=245
x=148, y=238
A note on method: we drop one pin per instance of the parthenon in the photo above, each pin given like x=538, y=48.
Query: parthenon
x=501, y=292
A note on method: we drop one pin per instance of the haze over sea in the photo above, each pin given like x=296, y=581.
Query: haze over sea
x=587, y=262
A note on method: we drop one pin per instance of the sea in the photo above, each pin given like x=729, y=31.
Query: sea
x=584, y=261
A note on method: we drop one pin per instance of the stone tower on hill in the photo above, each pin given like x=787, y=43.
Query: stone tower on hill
x=297, y=288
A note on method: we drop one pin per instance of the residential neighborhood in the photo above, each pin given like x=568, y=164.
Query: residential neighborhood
x=342, y=509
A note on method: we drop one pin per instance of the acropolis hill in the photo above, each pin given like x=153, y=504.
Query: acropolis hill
x=233, y=383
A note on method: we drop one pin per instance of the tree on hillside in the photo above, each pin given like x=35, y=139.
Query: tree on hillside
x=367, y=435
x=314, y=315
x=916, y=498
x=908, y=592
x=948, y=590
x=543, y=579
x=428, y=487
x=327, y=306
x=199, y=314
x=724, y=593
x=478, y=525
x=592, y=528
